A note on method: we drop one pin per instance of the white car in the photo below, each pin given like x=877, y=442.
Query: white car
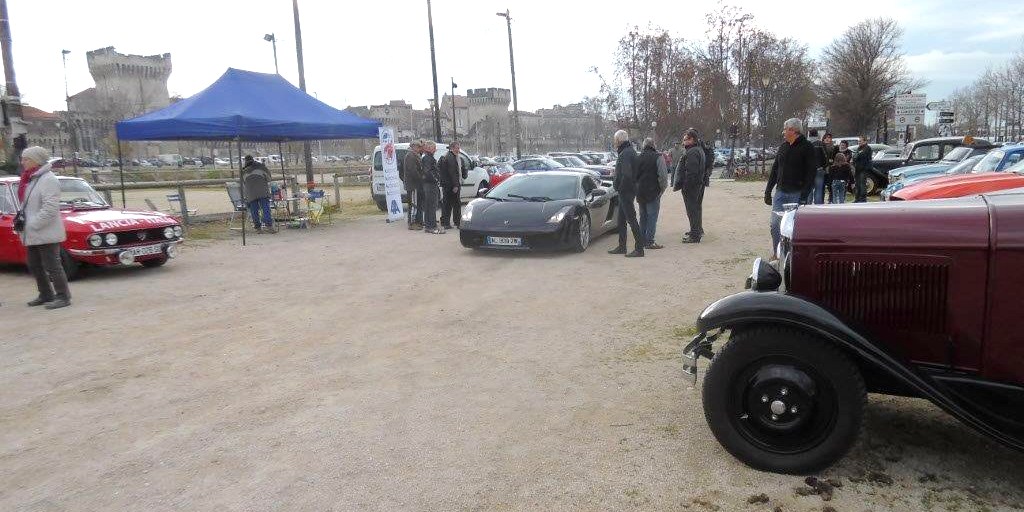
x=476, y=177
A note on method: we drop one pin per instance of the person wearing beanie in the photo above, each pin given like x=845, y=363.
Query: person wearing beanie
x=43, y=229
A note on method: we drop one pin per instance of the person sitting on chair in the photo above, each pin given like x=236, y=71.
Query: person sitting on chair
x=256, y=183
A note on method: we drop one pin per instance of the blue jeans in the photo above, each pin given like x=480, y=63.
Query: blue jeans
x=649, y=219
x=255, y=206
x=838, y=191
x=818, y=196
x=779, y=199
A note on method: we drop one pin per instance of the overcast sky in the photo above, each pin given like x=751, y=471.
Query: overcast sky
x=360, y=53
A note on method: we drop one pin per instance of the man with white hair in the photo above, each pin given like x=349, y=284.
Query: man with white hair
x=792, y=177
x=625, y=184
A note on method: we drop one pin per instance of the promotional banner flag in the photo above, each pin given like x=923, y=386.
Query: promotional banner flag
x=392, y=183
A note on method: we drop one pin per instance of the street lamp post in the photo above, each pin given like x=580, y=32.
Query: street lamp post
x=71, y=122
x=455, y=129
x=515, y=98
x=433, y=67
x=306, y=150
x=765, y=82
x=273, y=41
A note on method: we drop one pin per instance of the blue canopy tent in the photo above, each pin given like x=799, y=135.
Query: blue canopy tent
x=247, y=106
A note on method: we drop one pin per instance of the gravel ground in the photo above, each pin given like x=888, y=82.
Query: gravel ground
x=361, y=366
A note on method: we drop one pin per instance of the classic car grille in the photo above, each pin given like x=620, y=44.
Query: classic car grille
x=132, y=237
x=901, y=296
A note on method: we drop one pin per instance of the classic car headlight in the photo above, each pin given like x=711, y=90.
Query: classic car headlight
x=557, y=217
x=168, y=232
x=111, y=239
x=95, y=240
x=177, y=231
x=764, y=277
x=788, y=221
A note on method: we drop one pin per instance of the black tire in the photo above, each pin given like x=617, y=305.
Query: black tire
x=155, y=262
x=72, y=267
x=783, y=368
x=583, y=233
x=382, y=206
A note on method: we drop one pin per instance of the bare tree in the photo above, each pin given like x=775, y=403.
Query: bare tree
x=860, y=73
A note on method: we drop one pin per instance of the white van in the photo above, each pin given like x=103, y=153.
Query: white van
x=174, y=159
x=476, y=177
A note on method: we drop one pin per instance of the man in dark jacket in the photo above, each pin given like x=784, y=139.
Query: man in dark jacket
x=256, y=189
x=451, y=172
x=794, y=170
x=861, y=167
x=818, y=194
x=690, y=180
x=648, y=191
x=625, y=184
x=431, y=178
x=412, y=168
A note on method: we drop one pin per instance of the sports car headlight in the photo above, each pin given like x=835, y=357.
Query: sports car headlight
x=787, y=225
x=177, y=231
x=95, y=240
x=557, y=217
x=467, y=212
x=111, y=239
x=168, y=232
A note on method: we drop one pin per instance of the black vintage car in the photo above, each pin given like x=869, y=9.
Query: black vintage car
x=929, y=308
x=924, y=151
x=563, y=209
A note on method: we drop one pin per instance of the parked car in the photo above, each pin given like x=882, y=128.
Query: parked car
x=562, y=209
x=499, y=173
x=925, y=308
x=221, y=161
x=886, y=154
x=504, y=159
x=962, y=185
x=929, y=171
x=1001, y=158
x=917, y=152
x=476, y=177
x=97, y=234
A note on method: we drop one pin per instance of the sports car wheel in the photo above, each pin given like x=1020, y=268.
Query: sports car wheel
x=72, y=267
x=782, y=400
x=582, y=233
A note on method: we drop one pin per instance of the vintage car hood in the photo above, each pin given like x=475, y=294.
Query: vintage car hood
x=962, y=222
x=959, y=185
x=919, y=169
x=109, y=219
x=488, y=213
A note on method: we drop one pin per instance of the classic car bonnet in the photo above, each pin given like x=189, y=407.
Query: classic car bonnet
x=962, y=222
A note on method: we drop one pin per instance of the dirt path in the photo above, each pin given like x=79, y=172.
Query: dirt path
x=366, y=367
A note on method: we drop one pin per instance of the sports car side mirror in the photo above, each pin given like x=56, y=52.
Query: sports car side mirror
x=482, y=192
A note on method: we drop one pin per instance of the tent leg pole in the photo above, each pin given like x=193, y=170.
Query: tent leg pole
x=120, y=167
x=284, y=180
x=241, y=188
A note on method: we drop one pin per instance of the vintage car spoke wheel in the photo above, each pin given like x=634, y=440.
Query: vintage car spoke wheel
x=582, y=233
x=783, y=400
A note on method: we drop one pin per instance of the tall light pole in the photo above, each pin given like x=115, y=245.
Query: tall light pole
x=70, y=123
x=455, y=130
x=433, y=67
x=515, y=98
x=13, y=109
x=273, y=40
x=306, y=152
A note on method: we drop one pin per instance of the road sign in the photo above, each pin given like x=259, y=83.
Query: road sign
x=909, y=111
x=947, y=117
x=938, y=105
x=919, y=100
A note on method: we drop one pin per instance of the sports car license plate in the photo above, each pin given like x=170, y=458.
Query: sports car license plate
x=504, y=240
x=146, y=250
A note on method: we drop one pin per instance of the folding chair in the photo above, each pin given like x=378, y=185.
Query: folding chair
x=176, y=208
x=317, y=206
x=237, y=206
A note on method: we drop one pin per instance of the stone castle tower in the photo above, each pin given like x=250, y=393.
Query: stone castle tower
x=490, y=102
x=129, y=85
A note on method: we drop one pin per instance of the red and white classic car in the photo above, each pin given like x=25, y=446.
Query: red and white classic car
x=97, y=234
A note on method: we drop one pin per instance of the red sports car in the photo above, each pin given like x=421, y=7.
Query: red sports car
x=97, y=234
x=960, y=185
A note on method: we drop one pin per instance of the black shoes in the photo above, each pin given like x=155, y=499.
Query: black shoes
x=654, y=245
x=618, y=250
x=57, y=304
x=690, y=240
x=38, y=301
x=637, y=253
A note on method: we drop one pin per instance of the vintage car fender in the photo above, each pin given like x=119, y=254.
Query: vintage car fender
x=767, y=308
